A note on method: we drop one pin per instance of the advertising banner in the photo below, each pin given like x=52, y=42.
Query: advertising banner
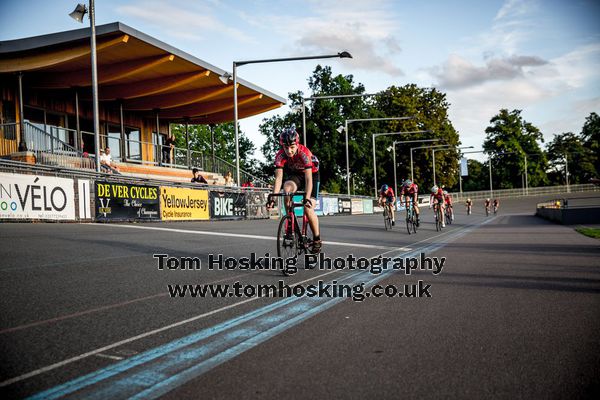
x=330, y=205
x=120, y=201
x=36, y=197
x=226, y=205
x=180, y=204
x=319, y=206
x=344, y=205
x=357, y=206
x=367, y=206
x=376, y=207
x=464, y=170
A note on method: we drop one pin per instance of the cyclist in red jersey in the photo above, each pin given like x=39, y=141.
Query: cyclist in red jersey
x=448, y=204
x=437, y=196
x=298, y=170
x=410, y=190
x=387, y=199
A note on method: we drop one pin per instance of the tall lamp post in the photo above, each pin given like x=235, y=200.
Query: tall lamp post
x=412, y=178
x=78, y=15
x=394, y=155
x=345, y=129
x=374, y=136
x=343, y=54
x=444, y=148
x=341, y=96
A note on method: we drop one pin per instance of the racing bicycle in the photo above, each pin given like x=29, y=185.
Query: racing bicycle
x=387, y=217
x=449, y=217
x=438, y=215
x=292, y=240
x=411, y=218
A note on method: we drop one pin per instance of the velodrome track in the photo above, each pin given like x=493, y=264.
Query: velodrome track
x=515, y=313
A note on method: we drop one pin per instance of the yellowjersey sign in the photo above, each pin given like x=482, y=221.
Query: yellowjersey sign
x=183, y=204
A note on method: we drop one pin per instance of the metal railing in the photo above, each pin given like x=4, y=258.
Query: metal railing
x=58, y=146
x=571, y=202
x=535, y=191
x=50, y=150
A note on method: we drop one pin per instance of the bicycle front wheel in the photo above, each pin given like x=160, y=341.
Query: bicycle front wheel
x=387, y=219
x=287, y=240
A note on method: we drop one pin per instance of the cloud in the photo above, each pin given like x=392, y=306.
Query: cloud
x=458, y=72
x=364, y=29
x=182, y=21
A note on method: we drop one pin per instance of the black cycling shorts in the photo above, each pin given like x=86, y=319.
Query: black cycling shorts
x=298, y=179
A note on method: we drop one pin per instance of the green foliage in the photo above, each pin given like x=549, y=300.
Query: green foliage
x=478, y=178
x=325, y=116
x=580, y=159
x=512, y=142
x=591, y=138
x=224, y=137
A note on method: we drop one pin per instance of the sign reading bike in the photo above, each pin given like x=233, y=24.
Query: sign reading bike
x=36, y=197
x=225, y=205
x=119, y=201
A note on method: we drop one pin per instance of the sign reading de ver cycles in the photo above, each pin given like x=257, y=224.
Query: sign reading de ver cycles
x=116, y=201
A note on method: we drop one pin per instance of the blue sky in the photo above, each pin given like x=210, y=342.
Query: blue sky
x=539, y=56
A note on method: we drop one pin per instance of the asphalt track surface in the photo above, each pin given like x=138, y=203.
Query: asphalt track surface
x=515, y=313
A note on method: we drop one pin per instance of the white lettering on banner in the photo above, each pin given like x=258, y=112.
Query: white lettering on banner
x=83, y=186
x=224, y=206
x=36, y=197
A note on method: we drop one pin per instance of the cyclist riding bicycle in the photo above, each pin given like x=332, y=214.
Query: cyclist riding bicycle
x=298, y=169
x=496, y=205
x=387, y=193
x=437, y=197
x=469, y=204
x=410, y=190
x=448, y=204
x=487, y=205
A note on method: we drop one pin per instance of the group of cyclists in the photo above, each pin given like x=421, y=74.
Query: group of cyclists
x=297, y=169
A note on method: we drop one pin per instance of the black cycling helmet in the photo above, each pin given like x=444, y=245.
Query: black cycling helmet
x=289, y=136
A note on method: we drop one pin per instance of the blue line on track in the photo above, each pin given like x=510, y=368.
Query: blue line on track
x=157, y=371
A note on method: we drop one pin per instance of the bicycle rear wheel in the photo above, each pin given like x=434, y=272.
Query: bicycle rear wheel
x=287, y=239
x=438, y=219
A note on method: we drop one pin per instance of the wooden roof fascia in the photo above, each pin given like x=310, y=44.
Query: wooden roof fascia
x=216, y=107
x=36, y=61
x=106, y=74
x=150, y=86
x=225, y=116
x=179, y=99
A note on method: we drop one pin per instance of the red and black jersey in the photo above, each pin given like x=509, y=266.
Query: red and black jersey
x=302, y=160
x=388, y=193
x=410, y=190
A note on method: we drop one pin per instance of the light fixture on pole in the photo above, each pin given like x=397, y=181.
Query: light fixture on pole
x=374, y=136
x=345, y=128
x=341, y=96
x=394, y=154
x=412, y=178
x=444, y=148
x=78, y=15
x=343, y=54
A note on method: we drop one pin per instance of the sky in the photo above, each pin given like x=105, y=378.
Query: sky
x=539, y=56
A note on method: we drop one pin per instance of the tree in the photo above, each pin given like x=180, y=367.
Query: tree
x=478, y=178
x=591, y=138
x=224, y=136
x=580, y=159
x=512, y=143
x=429, y=108
x=323, y=118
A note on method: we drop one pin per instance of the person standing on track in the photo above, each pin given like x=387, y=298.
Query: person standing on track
x=296, y=168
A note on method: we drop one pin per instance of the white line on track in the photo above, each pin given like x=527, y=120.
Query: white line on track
x=246, y=236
